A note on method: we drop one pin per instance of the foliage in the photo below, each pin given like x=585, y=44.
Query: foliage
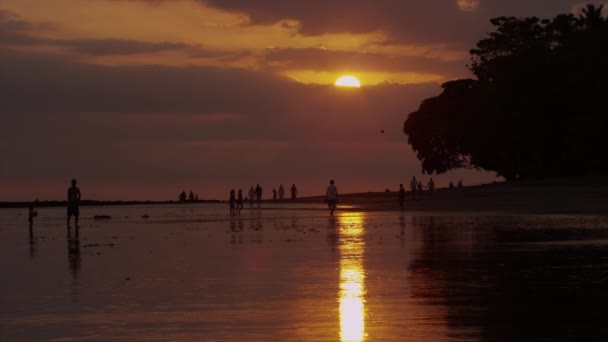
x=537, y=109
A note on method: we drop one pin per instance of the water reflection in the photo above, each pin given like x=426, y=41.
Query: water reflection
x=74, y=260
x=352, y=277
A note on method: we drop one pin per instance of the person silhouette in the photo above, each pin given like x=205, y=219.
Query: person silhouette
x=258, y=193
x=451, y=185
x=401, y=195
x=331, y=196
x=431, y=185
x=281, y=192
x=232, y=202
x=460, y=183
x=31, y=213
x=73, y=203
x=294, y=192
x=251, y=196
x=414, y=185
x=239, y=201
x=274, y=194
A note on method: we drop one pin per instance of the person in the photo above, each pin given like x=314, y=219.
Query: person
x=251, y=197
x=420, y=187
x=73, y=202
x=258, y=193
x=31, y=214
x=331, y=196
x=191, y=196
x=281, y=192
x=431, y=185
x=182, y=196
x=401, y=195
x=274, y=194
x=239, y=201
x=232, y=203
x=294, y=192
x=451, y=185
x=460, y=183
x=413, y=185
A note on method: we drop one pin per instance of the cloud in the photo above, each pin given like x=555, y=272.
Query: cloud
x=468, y=5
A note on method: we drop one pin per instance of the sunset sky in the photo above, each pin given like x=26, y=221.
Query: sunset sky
x=140, y=99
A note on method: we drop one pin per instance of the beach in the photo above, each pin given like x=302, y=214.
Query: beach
x=290, y=272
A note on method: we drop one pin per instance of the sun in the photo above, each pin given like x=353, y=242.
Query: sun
x=348, y=81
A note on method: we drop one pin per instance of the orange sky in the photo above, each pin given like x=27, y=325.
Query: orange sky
x=143, y=98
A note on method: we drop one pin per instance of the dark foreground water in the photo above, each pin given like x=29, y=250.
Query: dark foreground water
x=192, y=273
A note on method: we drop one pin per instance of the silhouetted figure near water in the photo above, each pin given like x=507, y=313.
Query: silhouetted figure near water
x=73, y=203
x=401, y=195
x=431, y=185
x=31, y=213
x=413, y=185
x=294, y=192
x=182, y=196
x=258, y=193
x=251, y=196
x=191, y=196
x=274, y=194
x=420, y=187
x=451, y=185
x=460, y=183
x=281, y=192
x=331, y=196
x=232, y=202
x=239, y=201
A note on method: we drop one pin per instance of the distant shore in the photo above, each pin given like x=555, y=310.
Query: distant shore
x=577, y=196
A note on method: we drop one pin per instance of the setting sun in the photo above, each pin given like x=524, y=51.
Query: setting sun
x=348, y=81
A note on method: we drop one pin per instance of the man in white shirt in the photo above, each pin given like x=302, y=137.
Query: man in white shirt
x=332, y=197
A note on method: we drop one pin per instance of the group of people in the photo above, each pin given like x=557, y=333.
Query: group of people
x=416, y=188
x=254, y=196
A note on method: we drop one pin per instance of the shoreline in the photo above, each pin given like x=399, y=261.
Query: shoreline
x=586, y=196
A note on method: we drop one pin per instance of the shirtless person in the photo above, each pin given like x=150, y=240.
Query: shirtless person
x=73, y=201
x=332, y=197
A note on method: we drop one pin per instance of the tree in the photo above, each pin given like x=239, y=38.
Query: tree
x=537, y=108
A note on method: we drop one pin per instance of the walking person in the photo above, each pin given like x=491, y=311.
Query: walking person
x=73, y=203
x=414, y=185
x=281, y=192
x=331, y=196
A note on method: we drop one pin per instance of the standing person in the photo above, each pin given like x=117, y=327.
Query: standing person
x=281, y=192
x=73, y=203
x=451, y=185
x=258, y=192
x=414, y=185
x=274, y=194
x=420, y=187
x=251, y=197
x=431, y=185
x=294, y=192
x=401, y=195
x=232, y=202
x=460, y=183
x=239, y=202
x=331, y=196
x=31, y=213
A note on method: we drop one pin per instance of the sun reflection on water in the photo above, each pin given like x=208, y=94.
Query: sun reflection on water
x=352, y=277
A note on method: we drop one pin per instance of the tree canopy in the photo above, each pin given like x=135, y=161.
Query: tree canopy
x=538, y=107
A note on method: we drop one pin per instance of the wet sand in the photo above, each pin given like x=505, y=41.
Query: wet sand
x=292, y=273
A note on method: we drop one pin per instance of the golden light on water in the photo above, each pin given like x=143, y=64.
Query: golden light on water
x=352, y=278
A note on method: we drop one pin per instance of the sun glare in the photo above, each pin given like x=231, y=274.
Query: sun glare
x=348, y=81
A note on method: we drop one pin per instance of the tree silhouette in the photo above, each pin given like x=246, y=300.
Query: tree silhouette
x=537, y=108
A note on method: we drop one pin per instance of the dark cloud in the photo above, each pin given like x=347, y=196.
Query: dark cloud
x=322, y=60
x=452, y=22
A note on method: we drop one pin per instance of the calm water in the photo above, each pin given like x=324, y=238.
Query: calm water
x=294, y=274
